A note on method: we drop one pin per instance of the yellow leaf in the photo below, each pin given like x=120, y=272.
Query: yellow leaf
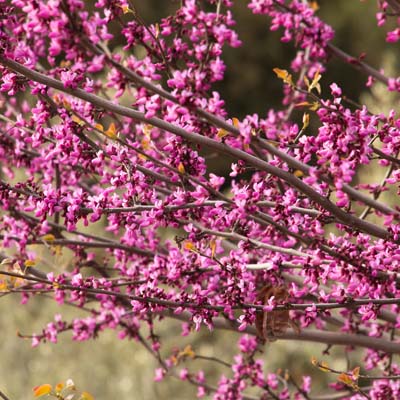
x=324, y=366
x=42, y=390
x=356, y=373
x=213, y=246
x=59, y=387
x=306, y=120
x=17, y=282
x=189, y=246
x=58, y=250
x=3, y=286
x=99, y=127
x=315, y=106
x=49, y=237
x=77, y=120
x=145, y=143
x=86, y=396
x=29, y=263
x=65, y=63
x=313, y=5
x=286, y=376
x=315, y=83
x=187, y=352
x=66, y=104
x=12, y=281
x=222, y=133
x=298, y=173
x=126, y=9
x=147, y=129
x=303, y=104
x=56, y=99
x=111, y=131
x=284, y=75
x=281, y=73
x=346, y=379
x=306, y=81
x=181, y=168
x=235, y=122
x=314, y=361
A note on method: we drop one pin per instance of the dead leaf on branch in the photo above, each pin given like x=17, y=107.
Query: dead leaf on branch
x=273, y=323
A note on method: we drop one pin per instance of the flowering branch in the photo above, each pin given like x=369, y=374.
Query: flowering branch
x=111, y=129
x=342, y=216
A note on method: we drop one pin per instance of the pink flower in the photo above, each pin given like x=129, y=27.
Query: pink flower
x=159, y=374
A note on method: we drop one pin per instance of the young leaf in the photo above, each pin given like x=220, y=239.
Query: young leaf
x=86, y=396
x=298, y=173
x=126, y=9
x=314, y=106
x=111, y=131
x=315, y=83
x=181, y=168
x=306, y=121
x=147, y=130
x=213, y=246
x=77, y=120
x=59, y=387
x=284, y=75
x=145, y=143
x=99, y=127
x=3, y=285
x=29, y=263
x=344, y=378
x=66, y=104
x=303, y=104
x=356, y=373
x=314, y=361
x=157, y=31
x=188, y=245
x=313, y=4
x=42, y=390
x=323, y=366
x=187, y=352
x=222, y=133
x=49, y=238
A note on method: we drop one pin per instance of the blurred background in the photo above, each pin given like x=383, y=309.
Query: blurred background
x=110, y=368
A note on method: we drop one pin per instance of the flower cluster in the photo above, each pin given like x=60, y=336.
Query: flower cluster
x=389, y=9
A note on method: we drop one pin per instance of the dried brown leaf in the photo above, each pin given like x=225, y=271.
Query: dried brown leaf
x=272, y=323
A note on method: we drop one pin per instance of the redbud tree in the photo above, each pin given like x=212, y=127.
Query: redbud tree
x=288, y=246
